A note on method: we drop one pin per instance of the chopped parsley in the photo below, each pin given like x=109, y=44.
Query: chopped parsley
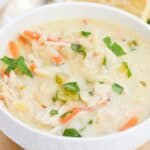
x=90, y=122
x=71, y=132
x=148, y=21
x=18, y=64
x=66, y=114
x=114, y=47
x=91, y=93
x=128, y=70
x=55, y=97
x=117, y=88
x=104, y=61
x=85, y=33
x=53, y=112
x=78, y=49
x=71, y=87
x=67, y=92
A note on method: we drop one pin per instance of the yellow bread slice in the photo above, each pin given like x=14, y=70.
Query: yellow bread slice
x=140, y=8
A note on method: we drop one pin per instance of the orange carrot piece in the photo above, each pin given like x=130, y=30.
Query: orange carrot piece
x=32, y=35
x=62, y=53
x=13, y=49
x=70, y=115
x=3, y=73
x=130, y=123
x=23, y=40
x=57, y=59
x=2, y=98
x=32, y=67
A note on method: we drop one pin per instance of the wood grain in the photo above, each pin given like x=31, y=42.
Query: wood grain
x=145, y=146
x=7, y=144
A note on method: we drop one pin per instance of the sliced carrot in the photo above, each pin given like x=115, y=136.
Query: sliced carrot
x=57, y=59
x=32, y=35
x=13, y=49
x=2, y=98
x=62, y=52
x=130, y=123
x=23, y=40
x=70, y=115
x=32, y=67
x=2, y=73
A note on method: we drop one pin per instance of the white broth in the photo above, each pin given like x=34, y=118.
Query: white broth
x=79, y=78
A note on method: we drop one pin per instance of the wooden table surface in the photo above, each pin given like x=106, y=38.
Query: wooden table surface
x=7, y=144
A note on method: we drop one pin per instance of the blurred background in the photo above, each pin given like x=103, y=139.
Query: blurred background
x=9, y=9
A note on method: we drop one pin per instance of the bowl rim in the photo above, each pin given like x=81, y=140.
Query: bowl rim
x=38, y=132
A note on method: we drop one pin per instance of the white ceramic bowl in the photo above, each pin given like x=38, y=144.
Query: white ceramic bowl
x=33, y=139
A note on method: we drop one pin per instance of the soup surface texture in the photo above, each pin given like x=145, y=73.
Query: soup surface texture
x=78, y=78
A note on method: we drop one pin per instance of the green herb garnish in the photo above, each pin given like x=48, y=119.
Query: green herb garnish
x=14, y=64
x=67, y=92
x=114, y=47
x=71, y=132
x=91, y=93
x=66, y=114
x=55, y=97
x=71, y=87
x=125, y=64
x=104, y=61
x=148, y=21
x=7, y=60
x=117, y=88
x=53, y=112
x=85, y=33
x=90, y=122
x=78, y=48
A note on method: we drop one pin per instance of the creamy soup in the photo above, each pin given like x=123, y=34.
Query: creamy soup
x=78, y=78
